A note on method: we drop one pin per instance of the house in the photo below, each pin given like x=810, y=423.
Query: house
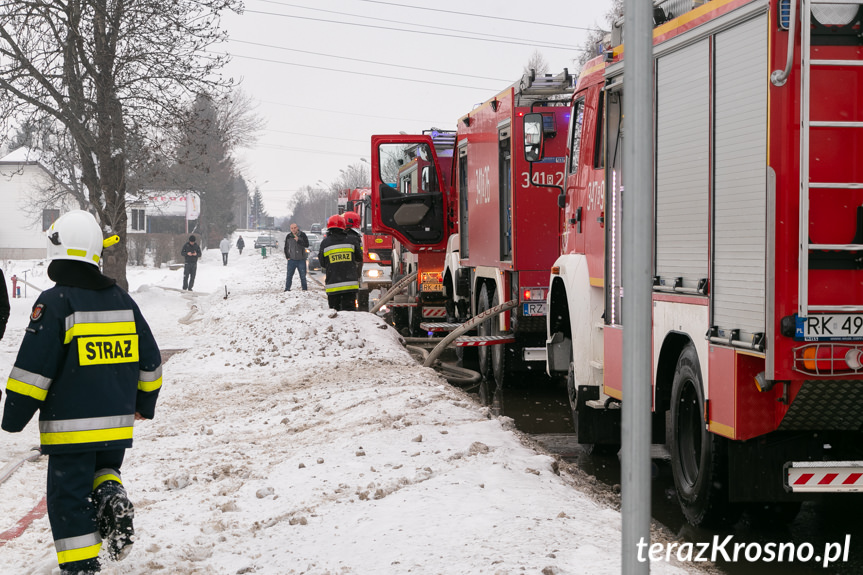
x=162, y=211
x=22, y=221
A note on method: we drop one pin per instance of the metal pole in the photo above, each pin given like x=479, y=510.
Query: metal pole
x=637, y=265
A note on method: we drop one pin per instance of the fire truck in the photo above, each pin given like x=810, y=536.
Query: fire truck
x=410, y=187
x=493, y=225
x=377, y=248
x=757, y=314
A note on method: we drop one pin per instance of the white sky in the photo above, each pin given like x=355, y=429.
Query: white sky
x=287, y=441
x=321, y=111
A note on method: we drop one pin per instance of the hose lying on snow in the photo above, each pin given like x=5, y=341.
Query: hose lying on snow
x=10, y=468
x=453, y=374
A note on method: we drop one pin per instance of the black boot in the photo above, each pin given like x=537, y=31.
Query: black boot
x=88, y=567
x=114, y=513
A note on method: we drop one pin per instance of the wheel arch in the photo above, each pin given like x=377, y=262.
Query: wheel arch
x=672, y=347
x=558, y=309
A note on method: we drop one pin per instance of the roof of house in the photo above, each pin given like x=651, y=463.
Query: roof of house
x=22, y=155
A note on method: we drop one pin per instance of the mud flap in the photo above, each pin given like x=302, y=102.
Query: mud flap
x=595, y=426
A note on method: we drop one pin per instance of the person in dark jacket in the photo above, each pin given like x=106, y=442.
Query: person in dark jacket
x=191, y=252
x=295, y=250
x=338, y=255
x=241, y=243
x=90, y=366
x=352, y=223
x=4, y=305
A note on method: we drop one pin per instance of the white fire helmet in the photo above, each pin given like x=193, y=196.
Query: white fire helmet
x=76, y=236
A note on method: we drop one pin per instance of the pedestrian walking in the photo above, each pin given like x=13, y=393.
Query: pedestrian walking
x=191, y=252
x=338, y=255
x=241, y=243
x=295, y=250
x=90, y=366
x=225, y=247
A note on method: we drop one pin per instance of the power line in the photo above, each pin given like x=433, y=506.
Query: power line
x=354, y=72
x=367, y=61
x=316, y=136
x=331, y=111
x=533, y=45
x=520, y=21
x=401, y=21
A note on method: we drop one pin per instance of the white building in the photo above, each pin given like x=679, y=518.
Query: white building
x=22, y=224
x=162, y=211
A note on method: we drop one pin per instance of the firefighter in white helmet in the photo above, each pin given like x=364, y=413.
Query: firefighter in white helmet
x=90, y=366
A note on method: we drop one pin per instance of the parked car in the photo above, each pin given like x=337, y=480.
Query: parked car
x=266, y=241
x=314, y=263
x=316, y=228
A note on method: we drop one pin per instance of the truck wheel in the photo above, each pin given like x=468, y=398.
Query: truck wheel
x=501, y=354
x=484, y=329
x=698, y=458
x=363, y=300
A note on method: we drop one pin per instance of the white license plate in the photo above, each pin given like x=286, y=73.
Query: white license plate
x=533, y=308
x=432, y=287
x=829, y=327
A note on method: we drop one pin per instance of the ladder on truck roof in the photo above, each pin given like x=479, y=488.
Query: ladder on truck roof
x=806, y=124
x=531, y=88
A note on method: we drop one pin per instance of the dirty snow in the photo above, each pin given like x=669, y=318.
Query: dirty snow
x=288, y=441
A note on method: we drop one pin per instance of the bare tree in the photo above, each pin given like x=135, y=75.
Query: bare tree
x=537, y=63
x=106, y=69
x=593, y=43
x=354, y=176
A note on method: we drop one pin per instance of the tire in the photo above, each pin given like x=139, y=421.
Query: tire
x=699, y=462
x=501, y=354
x=363, y=300
x=400, y=314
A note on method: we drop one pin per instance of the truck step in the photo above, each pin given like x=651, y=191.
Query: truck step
x=482, y=340
x=824, y=476
x=439, y=326
x=600, y=404
x=596, y=364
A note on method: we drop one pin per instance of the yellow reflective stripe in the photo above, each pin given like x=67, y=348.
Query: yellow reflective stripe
x=108, y=349
x=149, y=385
x=338, y=250
x=26, y=389
x=90, y=436
x=112, y=322
x=104, y=475
x=88, y=430
x=85, y=329
x=81, y=554
x=342, y=287
x=77, y=253
x=28, y=383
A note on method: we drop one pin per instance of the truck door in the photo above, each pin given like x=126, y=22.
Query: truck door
x=409, y=195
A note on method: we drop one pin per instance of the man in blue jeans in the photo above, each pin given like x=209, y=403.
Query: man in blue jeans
x=295, y=250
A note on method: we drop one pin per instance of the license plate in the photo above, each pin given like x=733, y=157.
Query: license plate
x=829, y=327
x=533, y=308
x=432, y=287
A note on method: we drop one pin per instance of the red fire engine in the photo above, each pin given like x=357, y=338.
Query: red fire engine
x=496, y=224
x=758, y=250
x=377, y=248
x=410, y=187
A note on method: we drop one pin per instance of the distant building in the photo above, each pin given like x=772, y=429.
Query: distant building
x=162, y=211
x=22, y=228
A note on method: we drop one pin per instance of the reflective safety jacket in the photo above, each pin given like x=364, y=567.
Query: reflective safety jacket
x=87, y=363
x=339, y=256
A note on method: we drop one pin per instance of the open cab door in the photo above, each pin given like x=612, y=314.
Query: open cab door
x=409, y=192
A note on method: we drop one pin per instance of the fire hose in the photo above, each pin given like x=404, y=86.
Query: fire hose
x=10, y=468
x=467, y=326
x=396, y=288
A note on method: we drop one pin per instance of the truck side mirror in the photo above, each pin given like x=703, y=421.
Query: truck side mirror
x=533, y=137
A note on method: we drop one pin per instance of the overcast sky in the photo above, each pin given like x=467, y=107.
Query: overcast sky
x=328, y=75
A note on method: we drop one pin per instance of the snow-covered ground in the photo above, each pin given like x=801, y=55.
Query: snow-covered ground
x=290, y=440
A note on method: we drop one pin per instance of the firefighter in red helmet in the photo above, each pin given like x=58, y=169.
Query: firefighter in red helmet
x=338, y=255
x=352, y=224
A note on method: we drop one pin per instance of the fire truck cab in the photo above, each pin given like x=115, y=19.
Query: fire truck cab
x=409, y=198
x=758, y=250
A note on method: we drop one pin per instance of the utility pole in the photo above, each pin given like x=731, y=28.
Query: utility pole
x=637, y=266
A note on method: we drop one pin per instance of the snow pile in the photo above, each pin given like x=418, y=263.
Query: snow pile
x=291, y=440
